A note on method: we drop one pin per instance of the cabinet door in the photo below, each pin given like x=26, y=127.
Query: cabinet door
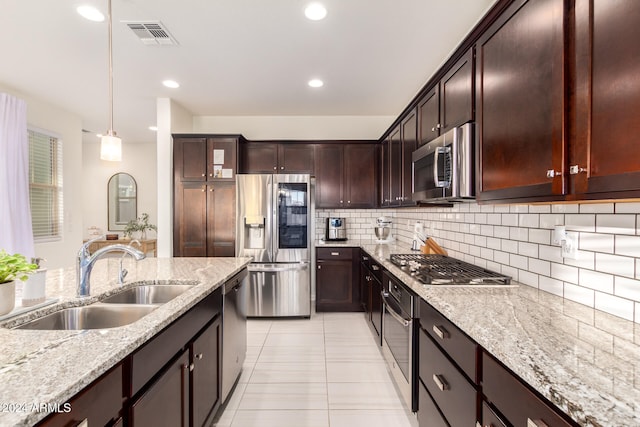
x=520, y=103
x=190, y=219
x=376, y=307
x=429, y=116
x=334, y=283
x=360, y=171
x=409, y=145
x=606, y=156
x=296, y=158
x=221, y=152
x=205, y=377
x=166, y=401
x=365, y=288
x=221, y=219
x=329, y=176
x=395, y=167
x=190, y=159
x=456, y=102
x=259, y=157
x=385, y=180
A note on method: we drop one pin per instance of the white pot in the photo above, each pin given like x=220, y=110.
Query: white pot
x=33, y=291
x=7, y=297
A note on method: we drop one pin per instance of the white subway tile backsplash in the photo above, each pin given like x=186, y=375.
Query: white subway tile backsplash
x=585, y=260
x=486, y=208
x=595, y=280
x=519, y=208
x=519, y=233
x=480, y=218
x=518, y=261
x=614, y=305
x=579, y=294
x=637, y=319
x=632, y=208
x=550, y=285
x=501, y=232
x=597, y=242
x=510, y=271
x=548, y=221
x=510, y=219
x=528, y=278
x=616, y=224
x=510, y=246
x=540, y=236
x=528, y=249
x=494, y=219
x=627, y=245
x=580, y=222
x=494, y=243
x=566, y=273
x=486, y=230
x=550, y=253
x=540, y=267
x=596, y=208
x=627, y=288
x=614, y=264
x=529, y=220
x=487, y=254
x=540, y=209
x=565, y=208
x=501, y=257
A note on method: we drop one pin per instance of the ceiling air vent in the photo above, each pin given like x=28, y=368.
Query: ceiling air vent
x=152, y=33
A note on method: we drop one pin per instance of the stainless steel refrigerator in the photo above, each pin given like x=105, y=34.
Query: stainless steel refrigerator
x=275, y=227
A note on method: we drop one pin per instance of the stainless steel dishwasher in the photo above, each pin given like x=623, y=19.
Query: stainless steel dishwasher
x=234, y=330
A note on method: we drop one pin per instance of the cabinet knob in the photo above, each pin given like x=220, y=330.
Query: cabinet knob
x=204, y=175
x=349, y=201
x=281, y=167
x=441, y=332
x=210, y=174
x=438, y=126
x=211, y=190
x=551, y=173
x=575, y=169
x=199, y=356
x=335, y=253
x=275, y=167
x=375, y=268
x=341, y=201
x=204, y=188
x=433, y=129
x=319, y=267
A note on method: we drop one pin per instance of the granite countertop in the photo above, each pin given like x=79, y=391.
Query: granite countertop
x=585, y=361
x=50, y=367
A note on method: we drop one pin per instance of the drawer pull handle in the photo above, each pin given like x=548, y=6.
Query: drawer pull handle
x=199, y=356
x=335, y=253
x=365, y=258
x=441, y=332
x=441, y=382
x=375, y=268
x=536, y=423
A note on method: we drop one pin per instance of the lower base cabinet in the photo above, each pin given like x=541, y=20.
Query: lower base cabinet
x=428, y=413
x=206, y=387
x=337, y=279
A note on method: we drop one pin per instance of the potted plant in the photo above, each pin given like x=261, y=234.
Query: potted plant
x=140, y=224
x=12, y=267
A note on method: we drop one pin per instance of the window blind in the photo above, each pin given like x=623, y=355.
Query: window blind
x=45, y=185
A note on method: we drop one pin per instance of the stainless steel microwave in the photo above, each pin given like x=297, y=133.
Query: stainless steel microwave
x=443, y=169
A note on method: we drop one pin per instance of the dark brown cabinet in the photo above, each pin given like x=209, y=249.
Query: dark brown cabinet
x=204, y=196
x=272, y=157
x=396, y=167
x=346, y=175
x=337, y=284
x=205, y=391
x=520, y=108
x=370, y=294
x=449, y=103
x=604, y=159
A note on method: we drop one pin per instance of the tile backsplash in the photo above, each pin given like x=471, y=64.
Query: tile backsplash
x=517, y=240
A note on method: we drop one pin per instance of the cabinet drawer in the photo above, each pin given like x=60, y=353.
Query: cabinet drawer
x=513, y=399
x=451, y=391
x=149, y=360
x=335, y=253
x=489, y=418
x=453, y=341
x=428, y=413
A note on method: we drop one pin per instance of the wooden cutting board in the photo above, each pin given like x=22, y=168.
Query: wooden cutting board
x=432, y=247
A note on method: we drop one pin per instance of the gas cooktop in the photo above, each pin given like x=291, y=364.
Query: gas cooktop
x=444, y=270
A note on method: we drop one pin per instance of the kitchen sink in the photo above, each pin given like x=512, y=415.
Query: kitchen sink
x=147, y=294
x=94, y=316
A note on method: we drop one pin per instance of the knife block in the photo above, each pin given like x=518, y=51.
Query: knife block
x=431, y=247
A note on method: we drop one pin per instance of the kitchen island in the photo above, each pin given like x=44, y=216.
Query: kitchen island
x=41, y=369
x=584, y=361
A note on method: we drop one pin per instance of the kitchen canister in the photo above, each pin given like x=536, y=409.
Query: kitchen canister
x=33, y=290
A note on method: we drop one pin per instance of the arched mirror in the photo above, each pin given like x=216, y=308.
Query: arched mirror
x=122, y=194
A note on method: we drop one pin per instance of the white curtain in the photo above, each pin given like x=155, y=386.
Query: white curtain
x=16, y=235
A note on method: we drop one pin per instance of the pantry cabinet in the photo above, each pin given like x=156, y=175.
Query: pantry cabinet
x=520, y=105
x=204, y=196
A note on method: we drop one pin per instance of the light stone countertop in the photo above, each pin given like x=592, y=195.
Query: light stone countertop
x=50, y=367
x=585, y=361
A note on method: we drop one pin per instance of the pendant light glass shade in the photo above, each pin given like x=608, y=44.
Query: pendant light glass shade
x=111, y=148
x=110, y=144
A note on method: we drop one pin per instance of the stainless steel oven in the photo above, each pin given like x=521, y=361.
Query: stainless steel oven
x=399, y=337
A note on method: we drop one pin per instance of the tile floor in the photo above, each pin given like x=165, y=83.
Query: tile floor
x=322, y=372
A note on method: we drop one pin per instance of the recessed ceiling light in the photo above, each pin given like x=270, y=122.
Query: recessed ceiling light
x=171, y=83
x=316, y=83
x=315, y=11
x=153, y=128
x=90, y=13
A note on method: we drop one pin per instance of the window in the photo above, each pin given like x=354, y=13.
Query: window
x=45, y=185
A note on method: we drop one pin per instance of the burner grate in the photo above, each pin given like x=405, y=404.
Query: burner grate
x=444, y=270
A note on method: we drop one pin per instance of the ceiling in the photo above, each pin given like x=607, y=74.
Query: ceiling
x=234, y=58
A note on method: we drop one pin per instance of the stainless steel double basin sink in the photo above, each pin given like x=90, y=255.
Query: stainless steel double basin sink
x=116, y=310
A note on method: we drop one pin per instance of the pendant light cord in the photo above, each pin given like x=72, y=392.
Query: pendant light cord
x=110, y=131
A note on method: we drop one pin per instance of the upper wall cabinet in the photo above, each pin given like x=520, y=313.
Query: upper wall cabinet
x=346, y=175
x=520, y=106
x=205, y=159
x=396, y=165
x=449, y=103
x=271, y=157
x=605, y=157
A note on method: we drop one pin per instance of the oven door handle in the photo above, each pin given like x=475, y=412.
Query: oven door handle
x=394, y=313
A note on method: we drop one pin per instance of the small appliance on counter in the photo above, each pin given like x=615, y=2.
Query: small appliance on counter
x=336, y=229
x=383, y=230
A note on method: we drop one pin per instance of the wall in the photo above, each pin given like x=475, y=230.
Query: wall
x=295, y=127
x=516, y=240
x=68, y=126
x=138, y=160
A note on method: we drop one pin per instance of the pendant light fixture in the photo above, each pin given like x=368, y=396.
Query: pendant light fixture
x=110, y=144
